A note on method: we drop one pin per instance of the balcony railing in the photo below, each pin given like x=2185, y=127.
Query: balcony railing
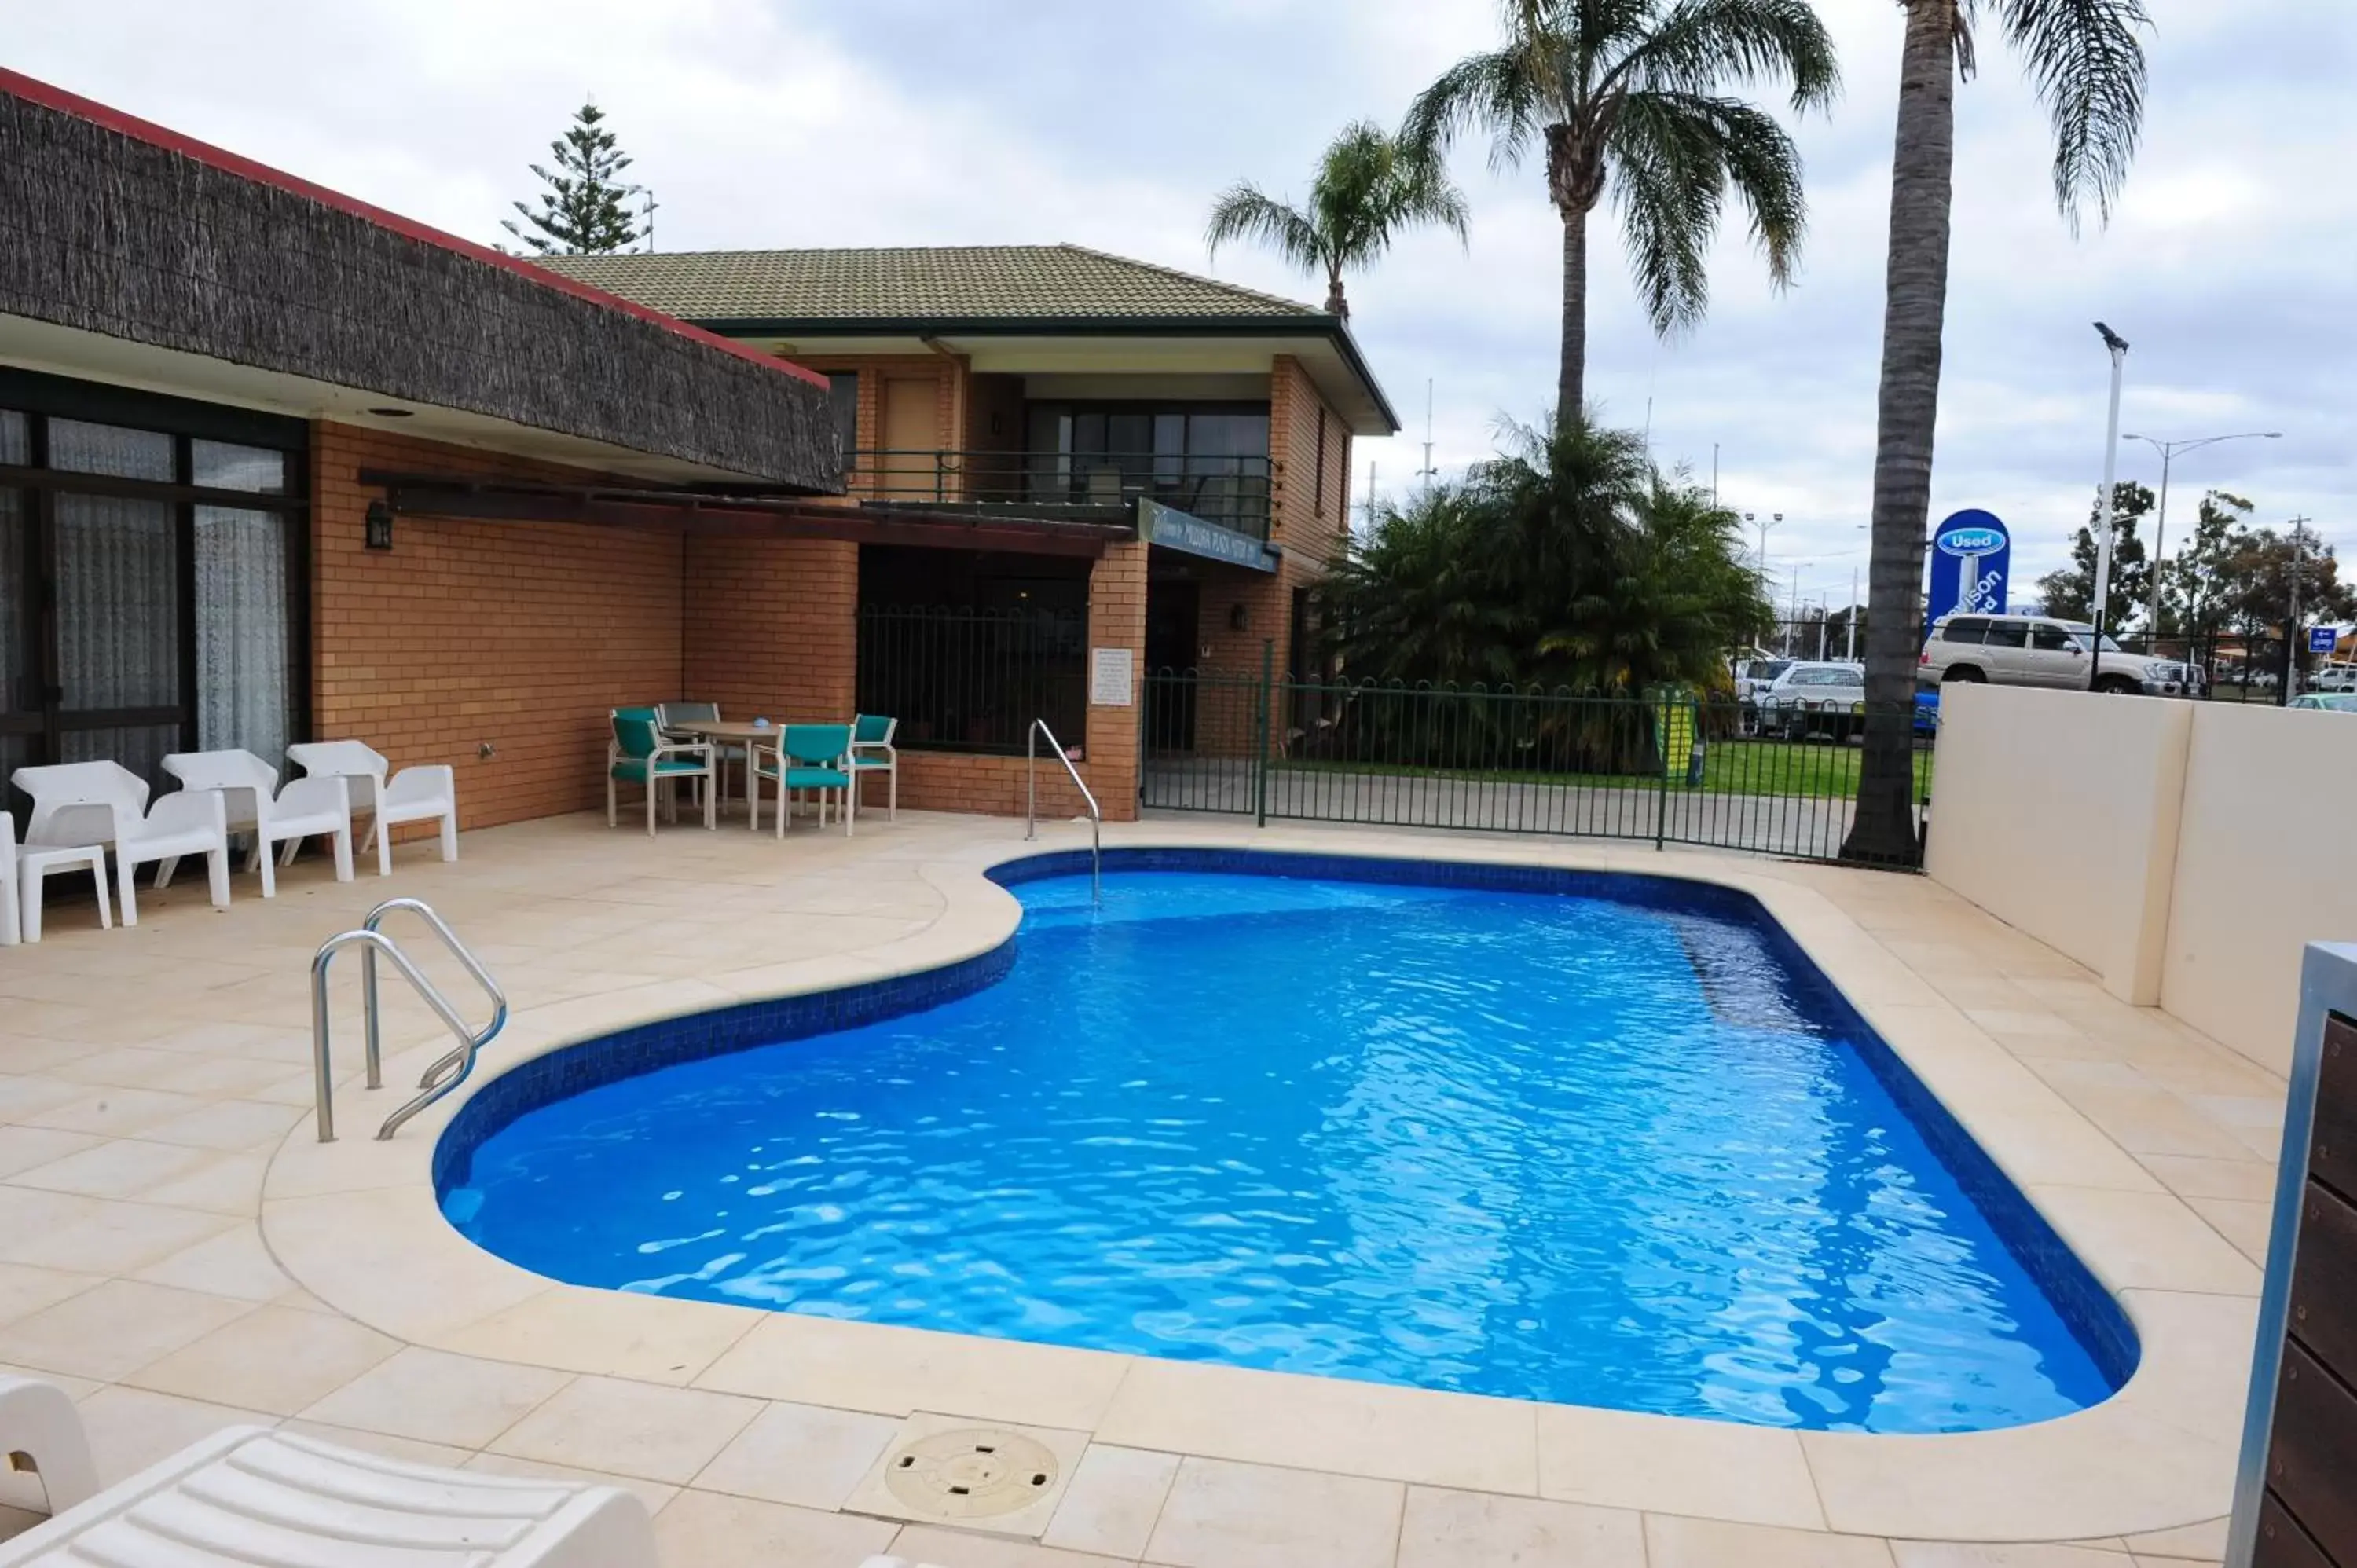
x=1230, y=491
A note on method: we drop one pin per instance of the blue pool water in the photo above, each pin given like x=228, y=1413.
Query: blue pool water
x=1565, y=1148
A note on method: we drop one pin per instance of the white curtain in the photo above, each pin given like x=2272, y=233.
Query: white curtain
x=242, y=696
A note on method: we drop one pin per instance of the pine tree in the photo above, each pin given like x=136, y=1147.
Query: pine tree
x=585, y=211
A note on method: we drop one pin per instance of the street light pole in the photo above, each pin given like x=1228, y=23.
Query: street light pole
x=2168, y=451
x=2108, y=502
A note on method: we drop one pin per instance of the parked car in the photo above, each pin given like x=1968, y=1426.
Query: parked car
x=2042, y=651
x=1810, y=698
x=2335, y=678
x=1752, y=679
x=2328, y=702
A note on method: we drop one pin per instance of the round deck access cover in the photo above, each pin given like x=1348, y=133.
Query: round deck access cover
x=972, y=1473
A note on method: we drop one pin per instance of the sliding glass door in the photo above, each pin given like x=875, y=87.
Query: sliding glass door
x=149, y=586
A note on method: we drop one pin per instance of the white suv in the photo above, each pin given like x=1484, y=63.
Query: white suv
x=2040, y=651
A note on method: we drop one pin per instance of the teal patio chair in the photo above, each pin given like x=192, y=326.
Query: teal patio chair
x=725, y=755
x=809, y=757
x=638, y=753
x=871, y=752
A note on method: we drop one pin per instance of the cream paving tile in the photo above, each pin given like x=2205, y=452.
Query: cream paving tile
x=436, y=1397
x=232, y=1126
x=387, y=1258
x=2147, y=1239
x=1337, y=1424
x=2142, y=1560
x=233, y=1263
x=114, y=1238
x=2202, y=1543
x=629, y=1429
x=896, y=1371
x=801, y=1453
x=407, y=1449
x=1114, y=1496
x=113, y=1112
x=1714, y=1469
x=1955, y=1555
x=710, y=1528
x=24, y=1290
x=968, y=1451
x=120, y=1167
x=930, y=1545
x=125, y=1067
x=2248, y=1181
x=1479, y=1529
x=188, y=1073
x=115, y=1328
x=227, y=1183
x=1225, y=1515
x=654, y=1494
x=130, y=1429
x=24, y=1148
x=622, y=1333
x=1672, y=1541
x=274, y=1358
x=2241, y=1221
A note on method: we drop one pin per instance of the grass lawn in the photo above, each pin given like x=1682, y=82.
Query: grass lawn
x=1814, y=768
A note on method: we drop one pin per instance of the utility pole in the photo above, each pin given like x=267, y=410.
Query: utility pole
x=1850, y=652
x=1714, y=476
x=2168, y=451
x=2108, y=503
x=1428, y=472
x=2292, y=630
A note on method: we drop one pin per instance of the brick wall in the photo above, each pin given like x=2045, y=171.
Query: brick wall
x=771, y=626
x=521, y=635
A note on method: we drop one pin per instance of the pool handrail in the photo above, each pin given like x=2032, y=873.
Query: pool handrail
x=1031, y=801
x=433, y=1083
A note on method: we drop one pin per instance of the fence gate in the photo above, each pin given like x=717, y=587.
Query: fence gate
x=1665, y=768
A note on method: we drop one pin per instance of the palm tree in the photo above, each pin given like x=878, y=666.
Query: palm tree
x=1630, y=94
x=2086, y=61
x=1367, y=190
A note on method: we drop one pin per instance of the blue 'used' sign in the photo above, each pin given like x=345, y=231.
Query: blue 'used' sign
x=1971, y=556
x=2322, y=639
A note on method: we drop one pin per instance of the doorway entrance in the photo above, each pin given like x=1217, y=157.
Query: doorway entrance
x=1173, y=609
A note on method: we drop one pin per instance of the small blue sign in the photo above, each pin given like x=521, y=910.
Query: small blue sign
x=1972, y=555
x=1175, y=530
x=2322, y=639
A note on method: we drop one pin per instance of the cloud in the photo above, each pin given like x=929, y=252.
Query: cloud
x=912, y=121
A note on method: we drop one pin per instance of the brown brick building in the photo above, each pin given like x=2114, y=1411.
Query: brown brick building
x=275, y=464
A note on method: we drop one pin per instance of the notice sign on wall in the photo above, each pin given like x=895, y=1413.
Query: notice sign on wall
x=1113, y=674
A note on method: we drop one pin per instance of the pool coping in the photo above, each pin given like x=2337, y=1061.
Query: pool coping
x=356, y=1223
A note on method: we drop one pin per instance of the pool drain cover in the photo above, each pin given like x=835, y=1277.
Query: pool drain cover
x=975, y=1472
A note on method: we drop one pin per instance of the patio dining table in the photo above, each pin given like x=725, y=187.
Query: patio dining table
x=739, y=732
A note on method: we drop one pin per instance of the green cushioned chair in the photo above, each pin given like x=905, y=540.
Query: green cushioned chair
x=639, y=754
x=809, y=757
x=871, y=752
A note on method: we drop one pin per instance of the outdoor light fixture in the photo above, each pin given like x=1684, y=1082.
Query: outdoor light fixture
x=1236, y=616
x=393, y=413
x=378, y=526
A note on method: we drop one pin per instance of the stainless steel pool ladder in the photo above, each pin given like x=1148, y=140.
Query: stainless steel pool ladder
x=448, y=1070
x=1031, y=801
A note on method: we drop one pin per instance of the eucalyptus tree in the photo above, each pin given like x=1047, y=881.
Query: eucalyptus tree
x=2086, y=62
x=1632, y=97
x=1369, y=189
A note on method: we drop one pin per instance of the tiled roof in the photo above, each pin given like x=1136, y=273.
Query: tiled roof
x=950, y=282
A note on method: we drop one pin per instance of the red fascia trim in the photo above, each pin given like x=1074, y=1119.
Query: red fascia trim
x=19, y=85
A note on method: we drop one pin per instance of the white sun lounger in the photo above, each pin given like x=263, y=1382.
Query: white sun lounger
x=40, y=1431
x=250, y=1495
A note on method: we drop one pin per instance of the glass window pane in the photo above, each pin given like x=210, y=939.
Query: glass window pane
x=110, y=449
x=2008, y=634
x=16, y=606
x=843, y=387
x=243, y=689
x=16, y=438
x=118, y=603
x=219, y=466
x=141, y=748
x=1964, y=629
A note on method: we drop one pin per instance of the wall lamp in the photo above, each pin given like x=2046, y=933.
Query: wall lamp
x=378, y=528
x=1236, y=616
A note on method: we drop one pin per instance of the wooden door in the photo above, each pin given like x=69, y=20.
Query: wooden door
x=914, y=466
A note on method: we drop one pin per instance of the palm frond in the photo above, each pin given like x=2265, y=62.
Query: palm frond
x=1245, y=212
x=1499, y=90
x=2087, y=65
x=1702, y=46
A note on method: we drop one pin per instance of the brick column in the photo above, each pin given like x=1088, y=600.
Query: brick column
x=1117, y=619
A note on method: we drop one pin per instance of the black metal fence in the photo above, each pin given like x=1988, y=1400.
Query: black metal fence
x=2234, y=667
x=1663, y=770
x=972, y=681
x=1231, y=490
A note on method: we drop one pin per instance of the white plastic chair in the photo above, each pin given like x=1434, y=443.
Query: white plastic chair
x=249, y=1495
x=426, y=793
x=86, y=804
x=38, y=1424
x=23, y=870
x=255, y=804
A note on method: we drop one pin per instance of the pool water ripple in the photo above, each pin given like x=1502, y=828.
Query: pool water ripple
x=1510, y=1143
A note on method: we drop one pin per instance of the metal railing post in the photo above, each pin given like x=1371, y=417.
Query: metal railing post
x=1260, y=773
x=1662, y=790
x=1032, y=789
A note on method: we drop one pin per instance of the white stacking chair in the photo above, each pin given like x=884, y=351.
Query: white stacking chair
x=426, y=793
x=23, y=870
x=250, y=795
x=248, y=1495
x=90, y=804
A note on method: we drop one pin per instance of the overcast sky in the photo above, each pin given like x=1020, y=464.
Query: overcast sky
x=789, y=123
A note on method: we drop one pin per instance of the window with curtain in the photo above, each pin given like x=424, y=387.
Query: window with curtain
x=110, y=449
x=243, y=688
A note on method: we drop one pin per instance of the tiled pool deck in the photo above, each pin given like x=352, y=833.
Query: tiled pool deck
x=179, y=1252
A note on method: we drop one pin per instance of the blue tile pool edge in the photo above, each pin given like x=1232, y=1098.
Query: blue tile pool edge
x=2093, y=1314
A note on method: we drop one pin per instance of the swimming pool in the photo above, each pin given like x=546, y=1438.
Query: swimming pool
x=1574, y=1137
